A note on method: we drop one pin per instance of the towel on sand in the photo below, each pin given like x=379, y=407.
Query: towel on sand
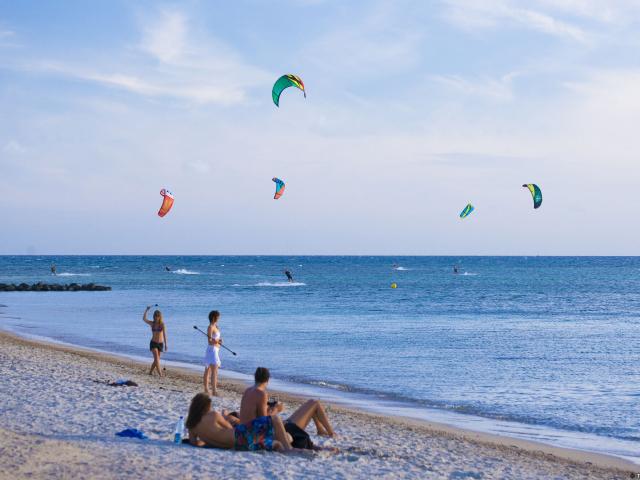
x=132, y=433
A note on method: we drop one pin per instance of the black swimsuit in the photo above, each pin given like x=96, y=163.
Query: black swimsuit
x=156, y=345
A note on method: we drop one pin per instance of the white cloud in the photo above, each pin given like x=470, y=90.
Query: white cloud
x=500, y=13
x=172, y=60
x=494, y=88
x=143, y=85
x=604, y=112
x=166, y=37
x=383, y=38
x=619, y=12
x=7, y=38
x=14, y=148
x=617, y=90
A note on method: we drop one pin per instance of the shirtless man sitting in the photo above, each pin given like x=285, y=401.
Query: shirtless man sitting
x=255, y=404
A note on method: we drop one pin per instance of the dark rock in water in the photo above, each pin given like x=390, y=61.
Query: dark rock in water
x=52, y=287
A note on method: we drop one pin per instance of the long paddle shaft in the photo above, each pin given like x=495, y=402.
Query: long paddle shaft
x=205, y=334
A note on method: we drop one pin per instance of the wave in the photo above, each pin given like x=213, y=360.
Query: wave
x=280, y=284
x=272, y=284
x=335, y=386
x=70, y=274
x=184, y=271
x=469, y=274
x=402, y=269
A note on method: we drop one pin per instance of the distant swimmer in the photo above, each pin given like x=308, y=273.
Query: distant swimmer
x=53, y=269
x=455, y=269
x=167, y=269
x=289, y=275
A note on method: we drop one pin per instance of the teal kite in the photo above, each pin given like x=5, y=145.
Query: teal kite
x=536, y=194
x=286, y=81
x=279, y=188
x=466, y=211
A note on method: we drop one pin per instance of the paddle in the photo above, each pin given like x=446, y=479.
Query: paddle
x=205, y=334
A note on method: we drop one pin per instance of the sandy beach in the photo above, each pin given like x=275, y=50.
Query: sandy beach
x=59, y=420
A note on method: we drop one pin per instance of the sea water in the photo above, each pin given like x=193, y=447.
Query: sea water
x=547, y=345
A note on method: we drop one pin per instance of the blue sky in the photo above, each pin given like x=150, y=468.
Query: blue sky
x=414, y=108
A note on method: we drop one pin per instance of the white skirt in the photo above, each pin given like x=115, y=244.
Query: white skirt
x=212, y=356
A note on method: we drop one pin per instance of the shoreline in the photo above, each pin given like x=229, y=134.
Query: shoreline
x=537, y=452
x=386, y=410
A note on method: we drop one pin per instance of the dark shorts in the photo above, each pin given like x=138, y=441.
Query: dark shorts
x=300, y=438
x=255, y=435
x=156, y=345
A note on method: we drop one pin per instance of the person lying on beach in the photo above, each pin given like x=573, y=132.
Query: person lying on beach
x=255, y=403
x=209, y=428
x=158, y=341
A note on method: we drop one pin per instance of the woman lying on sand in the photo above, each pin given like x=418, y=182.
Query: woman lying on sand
x=158, y=338
x=209, y=428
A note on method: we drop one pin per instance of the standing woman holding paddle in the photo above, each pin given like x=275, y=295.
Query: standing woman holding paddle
x=158, y=339
x=212, y=355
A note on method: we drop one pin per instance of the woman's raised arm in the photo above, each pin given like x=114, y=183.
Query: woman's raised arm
x=144, y=316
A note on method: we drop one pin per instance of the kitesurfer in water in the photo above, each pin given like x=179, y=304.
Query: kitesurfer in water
x=455, y=269
x=53, y=269
x=289, y=275
x=167, y=269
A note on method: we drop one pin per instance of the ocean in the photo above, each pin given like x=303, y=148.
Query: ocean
x=544, y=348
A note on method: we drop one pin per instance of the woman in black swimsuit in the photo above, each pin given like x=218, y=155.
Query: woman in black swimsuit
x=158, y=340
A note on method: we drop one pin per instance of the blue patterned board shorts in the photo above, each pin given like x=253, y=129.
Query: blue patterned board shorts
x=255, y=435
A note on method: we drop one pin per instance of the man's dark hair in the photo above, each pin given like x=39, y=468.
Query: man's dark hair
x=262, y=375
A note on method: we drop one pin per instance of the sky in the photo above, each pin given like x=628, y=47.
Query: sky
x=413, y=109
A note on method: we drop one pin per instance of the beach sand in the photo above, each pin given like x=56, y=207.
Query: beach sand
x=58, y=422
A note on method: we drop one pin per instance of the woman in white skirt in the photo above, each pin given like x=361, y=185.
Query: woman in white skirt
x=212, y=355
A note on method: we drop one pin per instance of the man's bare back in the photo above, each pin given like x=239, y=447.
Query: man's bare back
x=253, y=404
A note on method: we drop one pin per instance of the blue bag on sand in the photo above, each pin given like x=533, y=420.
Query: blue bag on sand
x=132, y=433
